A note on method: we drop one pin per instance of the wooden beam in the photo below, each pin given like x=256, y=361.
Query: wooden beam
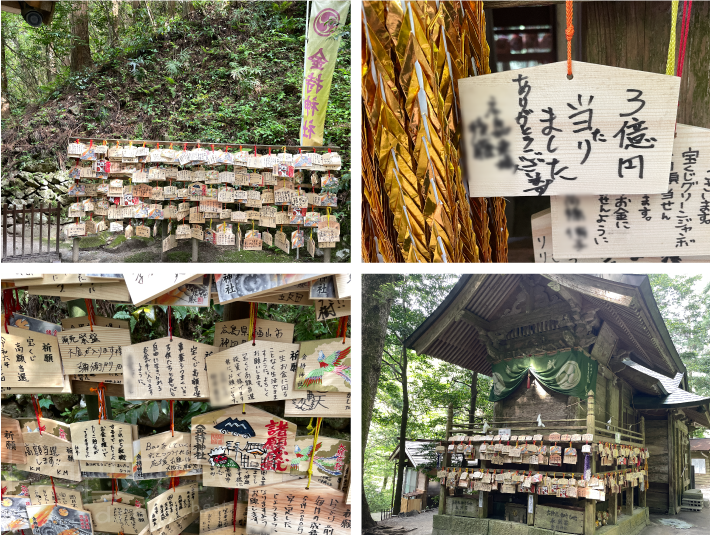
x=605, y=344
x=450, y=314
x=536, y=316
x=496, y=4
x=447, y=458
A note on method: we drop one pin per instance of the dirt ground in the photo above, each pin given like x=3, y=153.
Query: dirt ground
x=423, y=523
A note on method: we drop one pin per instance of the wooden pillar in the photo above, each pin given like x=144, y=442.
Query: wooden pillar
x=671, y=465
x=629, y=508
x=447, y=457
x=642, y=488
x=613, y=505
x=531, y=516
x=75, y=250
x=590, y=506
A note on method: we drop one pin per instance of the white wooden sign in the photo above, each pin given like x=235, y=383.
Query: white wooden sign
x=533, y=132
x=670, y=224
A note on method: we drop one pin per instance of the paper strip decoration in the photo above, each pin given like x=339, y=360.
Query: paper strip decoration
x=289, y=508
x=252, y=372
x=13, y=446
x=228, y=334
x=161, y=369
x=320, y=404
x=324, y=365
x=30, y=359
x=243, y=437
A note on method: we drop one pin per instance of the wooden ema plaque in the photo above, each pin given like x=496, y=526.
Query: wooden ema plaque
x=320, y=405
x=44, y=495
x=324, y=365
x=33, y=324
x=161, y=369
x=166, y=453
x=332, y=308
x=110, y=291
x=30, y=359
x=117, y=517
x=330, y=458
x=75, y=230
x=235, y=478
x=328, y=231
x=222, y=516
x=169, y=243
x=243, y=438
x=173, y=505
x=53, y=427
x=50, y=456
x=174, y=528
x=281, y=241
x=289, y=508
x=13, y=513
x=566, y=520
x=343, y=286
x=59, y=519
x=118, y=497
x=101, y=469
x=16, y=488
x=108, y=441
x=93, y=352
x=195, y=293
x=252, y=372
x=619, y=225
x=83, y=321
x=323, y=288
x=606, y=131
x=232, y=287
x=13, y=446
x=145, y=287
x=228, y=334
x=541, y=223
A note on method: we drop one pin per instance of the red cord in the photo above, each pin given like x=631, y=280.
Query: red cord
x=55, y=490
x=687, y=7
x=569, y=32
x=170, y=323
x=172, y=417
x=38, y=413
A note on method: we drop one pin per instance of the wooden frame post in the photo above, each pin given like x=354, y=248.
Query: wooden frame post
x=447, y=458
x=642, y=488
x=590, y=506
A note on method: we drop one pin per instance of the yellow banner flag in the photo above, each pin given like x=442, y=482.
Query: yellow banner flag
x=323, y=39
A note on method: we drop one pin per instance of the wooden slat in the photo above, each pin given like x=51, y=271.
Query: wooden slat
x=109, y=292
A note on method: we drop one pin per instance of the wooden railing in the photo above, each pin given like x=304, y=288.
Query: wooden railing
x=27, y=250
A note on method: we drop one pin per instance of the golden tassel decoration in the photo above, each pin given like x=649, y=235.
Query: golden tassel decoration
x=415, y=205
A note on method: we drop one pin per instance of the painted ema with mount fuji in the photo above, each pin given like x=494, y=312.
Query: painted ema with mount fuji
x=236, y=427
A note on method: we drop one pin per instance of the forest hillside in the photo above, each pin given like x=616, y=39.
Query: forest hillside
x=221, y=72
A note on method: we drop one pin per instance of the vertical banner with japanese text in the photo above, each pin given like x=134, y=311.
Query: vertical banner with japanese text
x=326, y=20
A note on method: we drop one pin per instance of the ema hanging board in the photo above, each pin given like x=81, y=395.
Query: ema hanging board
x=243, y=437
x=117, y=497
x=97, y=351
x=83, y=321
x=44, y=495
x=324, y=365
x=252, y=372
x=619, y=225
x=331, y=456
x=30, y=359
x=542, y=245
x=320, y=405
x=66, y=388
x=108, y=441
x=161, y=369
x=174, y=528
x=139, y=475
x=195, y=293
x=53, y=427
x=145, y=287
x=231, y=287
x=100, y=469
x=222, y=516
x=173, y=505
x=13, y=513
x=228, y=334
x=50, y=456
x=343, y=285
x=16, y=488
x=323, y=288
x=327, y=309
x=533, y=132
x=13, y=447
x=59, y=519
x=289, y=508
x=33, y=324
x=238, y=478
x=89, y=290
x=117, y=517
x=164, y=452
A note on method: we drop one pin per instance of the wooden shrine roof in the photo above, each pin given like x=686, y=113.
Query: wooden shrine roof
x=699, y=444
x=624, y=302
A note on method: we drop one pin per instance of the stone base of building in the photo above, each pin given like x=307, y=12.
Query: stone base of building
x=454, y=525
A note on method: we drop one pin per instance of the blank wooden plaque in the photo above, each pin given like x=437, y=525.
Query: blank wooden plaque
x=309, y=366
x=30, y=359
x=13, y=446
x=252, y=372
x=320, y=405
x=542, y=246
x=612, y=95
x=93, y=352
x=289, y=505
x=146, y=378
x=626, y=230
x=144, y=287
x=228, y=334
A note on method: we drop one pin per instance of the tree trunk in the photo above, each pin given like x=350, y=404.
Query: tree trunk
x=81, y=52
x=402, y=434
x=171, y=7
x=187, y=8
x=3, y=88
x=474, y=395
x=375, y=313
